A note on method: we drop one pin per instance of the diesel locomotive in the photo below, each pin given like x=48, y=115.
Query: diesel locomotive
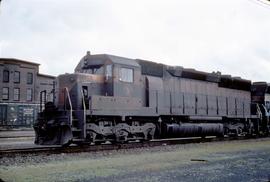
x=116, y=99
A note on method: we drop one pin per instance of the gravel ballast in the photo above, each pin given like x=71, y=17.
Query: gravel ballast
x=245, y=160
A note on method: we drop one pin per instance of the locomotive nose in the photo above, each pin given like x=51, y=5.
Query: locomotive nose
x=52, y=127
x=51, y=133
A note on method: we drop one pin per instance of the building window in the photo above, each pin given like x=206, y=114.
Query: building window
x=16, y=77
x=126, y=75
x=29, y=94
x=16, y=94
x=5, y=93
x=6, y=76
x=29, y=78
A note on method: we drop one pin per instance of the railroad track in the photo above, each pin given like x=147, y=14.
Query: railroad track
x=15, y=137
x=94, y=148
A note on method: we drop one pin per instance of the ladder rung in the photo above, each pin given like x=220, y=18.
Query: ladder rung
x=76, y=129
x=77, y=140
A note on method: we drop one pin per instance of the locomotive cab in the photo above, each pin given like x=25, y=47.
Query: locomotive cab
x=260, y=95
x=90, y=98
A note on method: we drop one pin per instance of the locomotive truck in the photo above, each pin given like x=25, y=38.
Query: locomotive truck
x=117, y=99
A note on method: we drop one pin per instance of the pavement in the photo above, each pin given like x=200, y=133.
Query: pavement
x=16, y=133
x=17, y=139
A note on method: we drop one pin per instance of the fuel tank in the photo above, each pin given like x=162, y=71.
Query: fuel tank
x=194, y=129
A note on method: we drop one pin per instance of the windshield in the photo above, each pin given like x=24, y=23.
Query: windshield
x=94, y=69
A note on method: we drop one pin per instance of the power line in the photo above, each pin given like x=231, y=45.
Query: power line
x=266, y=2
x=261, y=3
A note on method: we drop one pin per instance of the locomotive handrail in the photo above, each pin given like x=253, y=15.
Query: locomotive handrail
x=259, y=111
x=41, y=99
x=84, y=115
x=265, y=110
x=70, y=104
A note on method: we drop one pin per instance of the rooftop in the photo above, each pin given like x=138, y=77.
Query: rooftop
x=47, y=76
x=16, y=61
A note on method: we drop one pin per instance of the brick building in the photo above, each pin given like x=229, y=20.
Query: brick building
x=20, y=87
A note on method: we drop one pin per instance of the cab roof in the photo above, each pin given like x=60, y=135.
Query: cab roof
x=101, y=59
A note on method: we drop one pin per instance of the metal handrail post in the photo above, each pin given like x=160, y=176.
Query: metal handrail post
x=41, y=101
x=84, y=115
x=259, y=111
x=70, y=104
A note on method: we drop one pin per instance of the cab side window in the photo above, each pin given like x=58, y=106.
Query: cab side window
x=109, y=70
x=126, y=75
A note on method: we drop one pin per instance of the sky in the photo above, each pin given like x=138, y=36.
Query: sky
x=231, y=36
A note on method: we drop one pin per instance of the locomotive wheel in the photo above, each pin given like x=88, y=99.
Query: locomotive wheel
x=122, y=136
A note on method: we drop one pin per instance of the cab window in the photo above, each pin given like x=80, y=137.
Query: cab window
x=99, y=70
x=94, y=69
x=109, y=70
x=126, y=75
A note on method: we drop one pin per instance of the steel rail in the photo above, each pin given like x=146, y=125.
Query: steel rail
x=96, y=148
